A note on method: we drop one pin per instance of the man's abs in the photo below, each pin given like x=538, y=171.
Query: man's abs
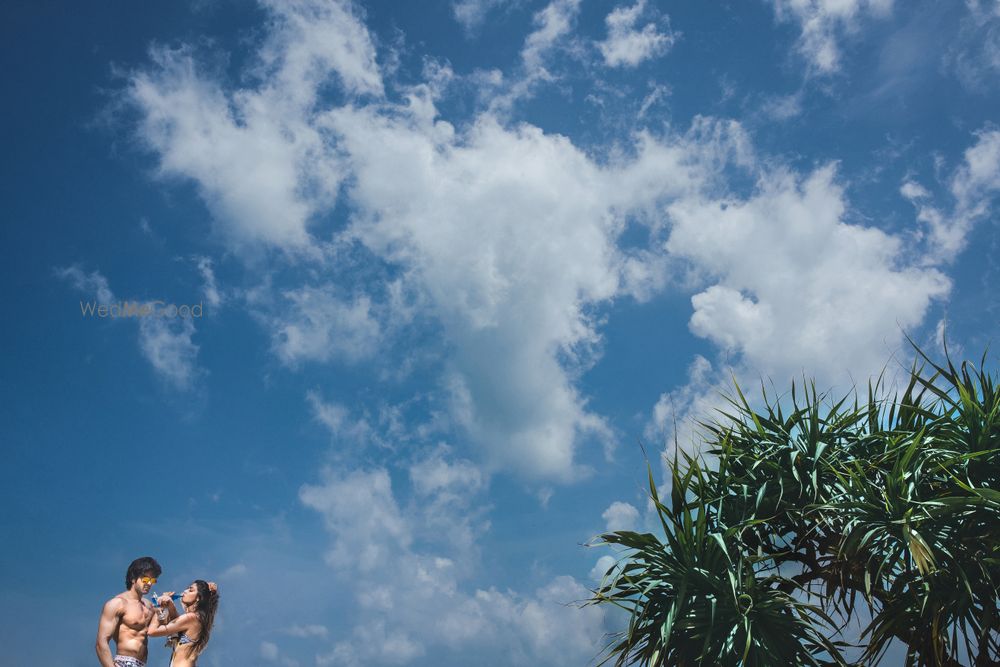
x=130, y=639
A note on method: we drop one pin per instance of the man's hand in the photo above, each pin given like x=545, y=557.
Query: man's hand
x=165, y=600
x=167, y=604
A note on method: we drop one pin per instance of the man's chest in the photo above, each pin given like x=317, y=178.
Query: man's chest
x=137, y=616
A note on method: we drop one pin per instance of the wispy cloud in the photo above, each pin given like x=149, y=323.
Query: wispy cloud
x=165, y=341
x=824, y=24
x=628, y=45
x=472, y=13
x=321, y=326
x=552, y=24
x=553, y=27
x=92, y=284
x=168, y=345
x=975, y=54
x=210, y=289
x=973, y=185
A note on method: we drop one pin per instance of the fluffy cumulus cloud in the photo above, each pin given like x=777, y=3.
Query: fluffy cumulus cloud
x=398, y=564
x=261, y=166
x=508, y=254
x=627, y=45
x=792, y=287
x=507, y=232
x=790, y=291
x=620, y=516
x=823, y=23
x=512, y=234
x=360, y=510
x=508, y=238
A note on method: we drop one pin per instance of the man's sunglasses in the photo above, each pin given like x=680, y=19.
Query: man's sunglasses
x=148, y=580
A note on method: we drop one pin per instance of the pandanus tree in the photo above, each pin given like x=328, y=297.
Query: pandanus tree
x=807, y=516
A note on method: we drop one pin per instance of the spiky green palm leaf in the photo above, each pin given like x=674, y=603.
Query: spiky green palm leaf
x=807, y=510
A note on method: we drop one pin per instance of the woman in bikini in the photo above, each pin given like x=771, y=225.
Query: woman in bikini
x=193, y=627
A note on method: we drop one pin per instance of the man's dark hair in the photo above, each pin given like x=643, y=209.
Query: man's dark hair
x=141, y=567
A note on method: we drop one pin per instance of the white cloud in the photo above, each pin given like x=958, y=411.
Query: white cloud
x=309, y=39
x=336, y=417
x=435, y=475
x=791, y=291
x=167, y=344
x=823, y=23
x=472, y=13
x=444, y=489
x=601, y=567
x=395, y=583
x=507, y=238
x=320, y=326
x=973, y=185
x=975, y=53
x=620, y=516
x=552, y=24
x=244, y=151
x=675, y=415
x=511, y=234
x=92, y=283
x=979, y=176
x=210, y=290
x=269, y=651
x=234, y=571
x=361, y=512
x=627, y=45
x=782, y=107
x=794, y=289
x=506, y=234
x=657, y=93
x=261, y=167
x=303, y=631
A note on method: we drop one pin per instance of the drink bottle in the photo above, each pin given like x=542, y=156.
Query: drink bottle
x=155, y=596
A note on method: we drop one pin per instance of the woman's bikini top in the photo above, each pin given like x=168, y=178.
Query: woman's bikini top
x=184, y=639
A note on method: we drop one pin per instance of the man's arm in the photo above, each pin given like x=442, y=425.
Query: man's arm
x=182, y=623
x=168, y=606
x=111, y=616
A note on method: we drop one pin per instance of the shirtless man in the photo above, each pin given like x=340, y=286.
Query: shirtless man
x=125, y=618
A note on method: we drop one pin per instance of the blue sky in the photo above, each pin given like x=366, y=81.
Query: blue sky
x=454, y=262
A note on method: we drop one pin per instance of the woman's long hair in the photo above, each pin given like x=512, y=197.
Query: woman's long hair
x=208, y=602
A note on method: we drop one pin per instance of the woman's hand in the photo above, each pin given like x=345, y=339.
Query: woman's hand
x=165, y=601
